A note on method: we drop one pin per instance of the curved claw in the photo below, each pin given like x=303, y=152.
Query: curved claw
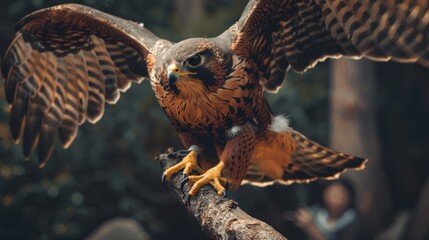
x=223, y=194
x=163, y=180
x=182, y=185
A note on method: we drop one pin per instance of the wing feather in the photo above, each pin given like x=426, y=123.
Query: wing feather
x=70, y=123
x=106, y=64
x=63, y=65
x=53, y=115
x=35, y=108
x=301, y=33
x=95, y=87
x=121, y=66
x=82, y=84
x=23, y=88
x=307, y=161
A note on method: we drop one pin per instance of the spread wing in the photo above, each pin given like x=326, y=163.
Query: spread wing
x=63, y=64
x=278, y=34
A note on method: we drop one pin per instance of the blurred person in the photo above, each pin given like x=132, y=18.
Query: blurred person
x=122, y=228
x=335, y=219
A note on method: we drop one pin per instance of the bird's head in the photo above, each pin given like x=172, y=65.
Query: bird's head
x=196, y=64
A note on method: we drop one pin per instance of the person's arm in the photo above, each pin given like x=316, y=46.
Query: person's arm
x=304, y=220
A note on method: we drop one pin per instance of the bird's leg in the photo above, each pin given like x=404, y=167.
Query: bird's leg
x=234, y=161
x=188, y=163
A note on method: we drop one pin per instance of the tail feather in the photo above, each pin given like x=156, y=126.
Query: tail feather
x=293, y=158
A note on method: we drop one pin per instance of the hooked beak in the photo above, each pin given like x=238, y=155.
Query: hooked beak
x=174, y=73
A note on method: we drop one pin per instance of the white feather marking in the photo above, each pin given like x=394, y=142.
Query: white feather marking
x=280, y=124
x=234, y=130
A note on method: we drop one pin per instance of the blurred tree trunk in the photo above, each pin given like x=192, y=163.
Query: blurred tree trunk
x=354, y=131
x=190, y=12
x=419, y=225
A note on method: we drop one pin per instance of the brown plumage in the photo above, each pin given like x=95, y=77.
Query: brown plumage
x=67, y=61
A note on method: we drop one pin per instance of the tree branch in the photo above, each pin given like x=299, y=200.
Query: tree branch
x=219, y=217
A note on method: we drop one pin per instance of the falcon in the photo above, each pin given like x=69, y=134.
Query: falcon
x=65, y=62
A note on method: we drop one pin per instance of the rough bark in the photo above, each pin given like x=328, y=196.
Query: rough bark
x=354, y=131
x=219, y=217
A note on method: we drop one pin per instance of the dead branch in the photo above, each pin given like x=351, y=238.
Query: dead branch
x=219, y=217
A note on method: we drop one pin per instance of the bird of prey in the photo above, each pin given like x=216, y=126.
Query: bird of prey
x=65, y=62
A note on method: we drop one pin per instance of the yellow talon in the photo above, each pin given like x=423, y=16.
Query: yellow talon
x=188, y=163
x=212, y=177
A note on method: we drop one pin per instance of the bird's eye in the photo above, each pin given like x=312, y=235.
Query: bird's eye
x=195, y=61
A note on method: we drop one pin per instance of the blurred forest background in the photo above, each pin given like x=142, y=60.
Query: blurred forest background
x=374, y=110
